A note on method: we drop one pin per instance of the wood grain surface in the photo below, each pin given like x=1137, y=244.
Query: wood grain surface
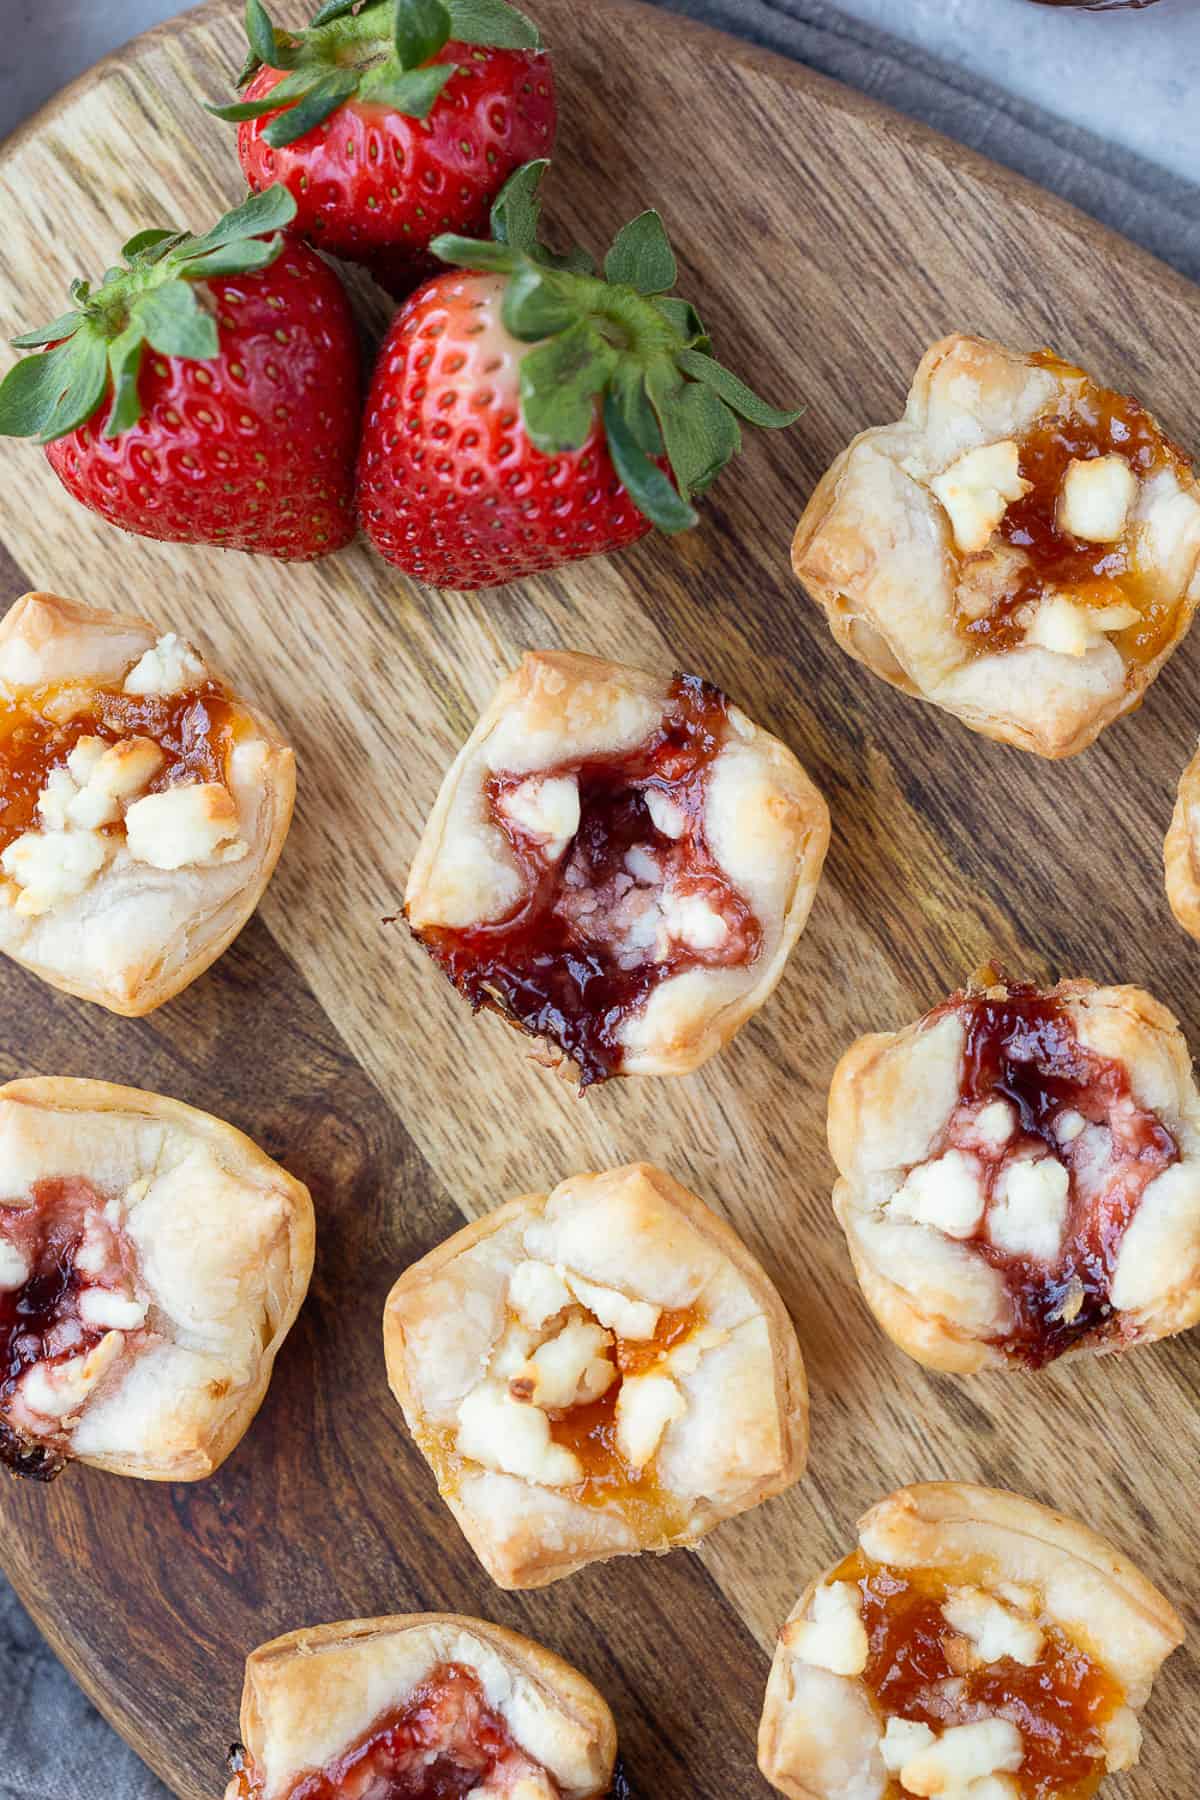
x=826, y=243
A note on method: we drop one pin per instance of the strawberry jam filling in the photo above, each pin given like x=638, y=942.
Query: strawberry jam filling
x=919, y=1668
x=66, y=1272
x=633, y=899
x=194, y=730
x=443, y=1743
x=1094, y=422
x=1072, y=1106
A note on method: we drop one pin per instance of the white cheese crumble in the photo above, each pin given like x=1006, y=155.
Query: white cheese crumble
x=834, y=1637
x=902, y=1740
x=536, y=1292
x=547, y=807
x=182, y=826
x=692, y=920
x=52, y=866
x=646, y=1405
x=571, y=1369
x=170, y=667
x=992, y=1630
x=1068, y=629
x=510, y=1436
x=963, y=1756
x=54, y=1390
x=103, y=1309
x=1096, y=496
x=14, y=1270
x=636, y=1320
x=977, y=490
x=665, y=815
x=946, y=1194
x=1028, y=1214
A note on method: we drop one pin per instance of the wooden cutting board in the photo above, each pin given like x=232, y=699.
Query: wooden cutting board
x=826, y=243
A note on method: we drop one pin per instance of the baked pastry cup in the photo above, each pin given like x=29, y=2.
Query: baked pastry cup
x=594, y=1372
x=1020, y=1174
x=1181, y=851
x=618, y=865
x=1022, y=548
x=143, y=805
x=423, y=1704
x=974, y=1646
x=152, y=1261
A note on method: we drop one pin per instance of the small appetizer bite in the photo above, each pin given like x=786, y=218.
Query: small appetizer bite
x=596, y=1372
x=1181, y=851
x=418, y=1707
x=1022, y=548
x=975, y=1646
x=143, y=804
x=618, y=865
x=152, y=1261
x=1020, y=1174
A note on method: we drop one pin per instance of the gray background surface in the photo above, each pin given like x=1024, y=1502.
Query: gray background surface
x=1099, y=107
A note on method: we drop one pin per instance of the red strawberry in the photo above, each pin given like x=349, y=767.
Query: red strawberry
x=207, y=392
x=530, y=413
x=394, y=122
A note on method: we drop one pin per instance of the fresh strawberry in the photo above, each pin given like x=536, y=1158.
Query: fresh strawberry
x=393, y=120
x=207, y=392
x=530, y=412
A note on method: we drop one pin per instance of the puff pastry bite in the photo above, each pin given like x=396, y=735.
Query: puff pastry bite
x=618, y=865
x=143, y=805
x=1020, y=1174
x=1022, y=548
x=594, y=1372
x=426, y=1706
x=974, y=1646
x=1181, y=851
x=152, y=1260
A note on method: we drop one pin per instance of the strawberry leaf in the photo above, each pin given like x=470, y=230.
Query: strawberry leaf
x=560, y=381
x=419, y=30
x=294, y=86
x=156, y=238
x=408, y=91
x=260, y=32
x=175, y=323
x=333, y=9
x=532, y=308
x=269, y=211
x=641, y=256
x=733, y=392
x=701, y=435
x=649, y=489
x=494, y=23
x=629, y=392
x=517, y=208
x=124, y=366
x=683, y=318
x=244, y=258
x=473, y=253
x=323, y=98
x=47, y=396
x=49, y=334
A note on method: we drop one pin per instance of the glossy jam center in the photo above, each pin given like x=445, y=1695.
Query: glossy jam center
x=194, y=730
x=1096, y=422
x=442, y=1744
x=1021, y=1046
x=1059, y=1705
x=554, y=967
x=39, y=1321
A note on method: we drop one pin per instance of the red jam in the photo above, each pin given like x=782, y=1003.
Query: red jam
x=194, y=730
x=1059, y=1705
x=442, y=1744
x=1096, y=422
x=39, y=1321
x=552, y=968
x=1021, y=1046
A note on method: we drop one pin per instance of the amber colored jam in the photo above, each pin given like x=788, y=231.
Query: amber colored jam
x=542, y=968
x=1095, y=422
x=1021, y=1045
x=441, y=1744
x=1059, y=1705
x=39, y=1321
x=195, y=731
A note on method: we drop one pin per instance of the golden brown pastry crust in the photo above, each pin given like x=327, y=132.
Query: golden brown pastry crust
x=817, y=1724
x=891, y=1097
x=45, y=637
x=638, y=1230
x=310, y=1694
x=225, y=1241
x=766, y=824
x=1181, y=851
x=875, y=550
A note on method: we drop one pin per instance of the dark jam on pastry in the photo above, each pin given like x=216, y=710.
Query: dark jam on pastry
x=590, y=1431
x=443, y=1743
x=1059, y=1706
x=1021, y=1046
x=555, y=967
x=39, y=1321
x=1094, y=422
x=194, y=730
